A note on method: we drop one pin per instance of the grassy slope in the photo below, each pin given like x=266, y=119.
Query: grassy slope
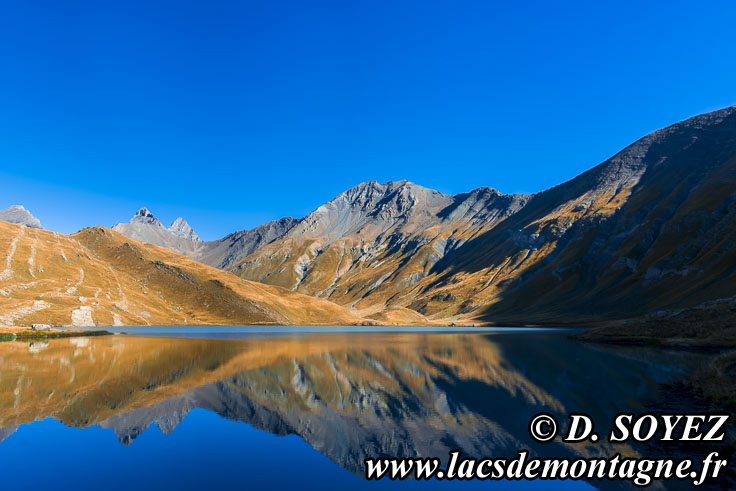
x=102, y=276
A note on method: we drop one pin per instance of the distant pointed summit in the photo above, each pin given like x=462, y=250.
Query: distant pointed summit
x=18, y=214
x=147, y=228
x=145, y=216
x=181, y=228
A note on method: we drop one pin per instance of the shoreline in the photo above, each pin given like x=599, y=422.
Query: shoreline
x=13, y=333
x=713, y=383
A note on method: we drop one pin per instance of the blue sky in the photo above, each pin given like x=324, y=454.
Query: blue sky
x=234, y=113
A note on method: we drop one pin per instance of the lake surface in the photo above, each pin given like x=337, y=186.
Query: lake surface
x=237, y=408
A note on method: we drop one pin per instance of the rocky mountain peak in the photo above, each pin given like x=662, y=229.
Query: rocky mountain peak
x=486, y=191
x=145, y=216
x=182, y=229
x=18, y=214
x=371, y=209
x=361, y=193
x=368, y=194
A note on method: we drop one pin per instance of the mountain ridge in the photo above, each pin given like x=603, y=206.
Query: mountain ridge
x=180, y=237
x=652, y=227
x=526, y=258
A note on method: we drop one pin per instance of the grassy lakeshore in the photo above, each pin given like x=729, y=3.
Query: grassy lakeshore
x=709, y=327
x=10, y=333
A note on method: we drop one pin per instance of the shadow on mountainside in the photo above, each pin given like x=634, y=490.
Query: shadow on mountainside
x=653, y=227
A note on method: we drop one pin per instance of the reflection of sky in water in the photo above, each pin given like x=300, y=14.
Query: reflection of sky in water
x=205, y=452
x=339, y=397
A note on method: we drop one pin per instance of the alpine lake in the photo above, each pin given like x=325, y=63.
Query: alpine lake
x=230, y=407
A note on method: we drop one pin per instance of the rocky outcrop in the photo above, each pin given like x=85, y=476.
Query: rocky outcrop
x=18, y=214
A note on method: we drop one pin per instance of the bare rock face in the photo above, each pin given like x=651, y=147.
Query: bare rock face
x=145, y=216
x=18, y=214
x=372, y=209
x=181, y=228
x=234, y=247
x=144, y=226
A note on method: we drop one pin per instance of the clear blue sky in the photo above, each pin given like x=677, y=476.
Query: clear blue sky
x=234, y=113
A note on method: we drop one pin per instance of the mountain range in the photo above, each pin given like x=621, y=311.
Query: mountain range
x=651, y=228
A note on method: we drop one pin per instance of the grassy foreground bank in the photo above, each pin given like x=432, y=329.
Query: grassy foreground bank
x=709, y=327
x=11, y=333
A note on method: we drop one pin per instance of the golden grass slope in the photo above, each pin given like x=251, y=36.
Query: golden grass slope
x=99, y=277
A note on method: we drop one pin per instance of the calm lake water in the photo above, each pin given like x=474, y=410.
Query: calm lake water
x=251, y=408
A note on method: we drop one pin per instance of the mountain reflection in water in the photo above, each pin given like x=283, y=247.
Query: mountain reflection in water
x=349, y=396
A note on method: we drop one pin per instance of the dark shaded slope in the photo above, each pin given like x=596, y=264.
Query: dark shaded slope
x=650, y=228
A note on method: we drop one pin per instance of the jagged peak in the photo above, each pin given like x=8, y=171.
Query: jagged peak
x=179, y=222
x=182, y=229
x=18, y=214
x=145, y=216
x=486, y=190
x=143, y=212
